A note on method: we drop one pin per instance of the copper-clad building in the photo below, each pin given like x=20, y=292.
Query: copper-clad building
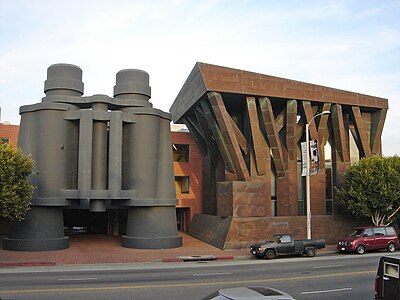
x=249, y=127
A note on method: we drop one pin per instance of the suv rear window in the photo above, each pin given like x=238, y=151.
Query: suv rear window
x=390, y=231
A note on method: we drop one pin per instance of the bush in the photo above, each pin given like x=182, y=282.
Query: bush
x=15, y=187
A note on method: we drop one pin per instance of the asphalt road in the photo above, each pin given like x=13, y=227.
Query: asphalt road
x=326, y=277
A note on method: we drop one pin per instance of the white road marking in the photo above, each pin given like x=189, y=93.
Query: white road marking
x=326, y=291
x=331, y=266
x=78, y=279
x=212, y=274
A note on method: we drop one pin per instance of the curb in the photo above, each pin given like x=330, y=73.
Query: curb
x=28, y=264
x=197, y=258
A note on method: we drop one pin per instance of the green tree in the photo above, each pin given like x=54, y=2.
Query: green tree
x=372, y=189
x=15, y=187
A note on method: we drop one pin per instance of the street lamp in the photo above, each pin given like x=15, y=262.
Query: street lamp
x=325, y=112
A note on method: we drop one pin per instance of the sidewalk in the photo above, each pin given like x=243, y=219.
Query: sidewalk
x=103, y=249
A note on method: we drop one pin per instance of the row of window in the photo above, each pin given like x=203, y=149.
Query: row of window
x=181, y=154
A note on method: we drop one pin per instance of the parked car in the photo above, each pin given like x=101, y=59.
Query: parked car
x=361, y=239
x=284, y=244
x=75, y=229
x=387, y=281
x=255, y=292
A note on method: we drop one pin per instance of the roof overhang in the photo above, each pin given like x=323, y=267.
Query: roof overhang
x=207, y=77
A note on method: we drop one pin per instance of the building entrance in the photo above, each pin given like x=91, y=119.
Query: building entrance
x=80, y=221
x=182, y=219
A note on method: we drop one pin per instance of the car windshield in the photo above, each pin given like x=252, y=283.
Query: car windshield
x=356, y=232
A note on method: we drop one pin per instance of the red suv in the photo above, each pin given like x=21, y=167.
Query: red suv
x=369, y=238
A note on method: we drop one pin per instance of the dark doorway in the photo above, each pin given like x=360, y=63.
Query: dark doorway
x=183, y=219
x=79, y=221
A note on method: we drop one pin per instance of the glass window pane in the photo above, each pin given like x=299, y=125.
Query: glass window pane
x=185, y=185
x=354, y=152
x=182, y=185
x=390, y=231
x=4, y=140
x=380, y=231
x=180, y=152
x=391, y=270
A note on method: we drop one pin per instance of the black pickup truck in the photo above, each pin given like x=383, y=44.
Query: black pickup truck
x=284, y=244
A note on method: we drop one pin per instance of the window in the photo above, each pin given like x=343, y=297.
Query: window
x=354, y=152
x=274, y=210
x=4, y=140
x=380, y=231
x=328, y=179
x=391, y=270
x=286, y=239
x=356, y=232
x=182, y=185
x=328, y=189
x=301, y=191
x=390, y=231
x=368, y=232
x=180, y=152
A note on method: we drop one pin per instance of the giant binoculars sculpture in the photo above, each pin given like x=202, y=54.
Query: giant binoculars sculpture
x=97, y=152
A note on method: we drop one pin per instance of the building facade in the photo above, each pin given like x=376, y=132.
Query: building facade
x=187, y=163
x=188, y=166
x=249, y=127
x=9, y=134
x=98, y=154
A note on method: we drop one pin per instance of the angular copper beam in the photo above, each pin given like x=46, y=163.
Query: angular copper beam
x=300, y=129
x=197, y=134
x=272, y=135
x=219, y=139
x=207, y=135
x=224, y=121
x=377, y=122
x=308, y=111
x=323, y=130
x=280, y=120
x=361, y=131
x=240, y=137
x=291, y=121
x=259, y=145
x=339, y=133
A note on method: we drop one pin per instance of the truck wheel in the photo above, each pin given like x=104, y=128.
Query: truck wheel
x=269, y=254
x=310, y=252
x=391, y=247
x=360, y=249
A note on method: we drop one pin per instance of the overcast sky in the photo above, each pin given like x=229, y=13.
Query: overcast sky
x=350, y=45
